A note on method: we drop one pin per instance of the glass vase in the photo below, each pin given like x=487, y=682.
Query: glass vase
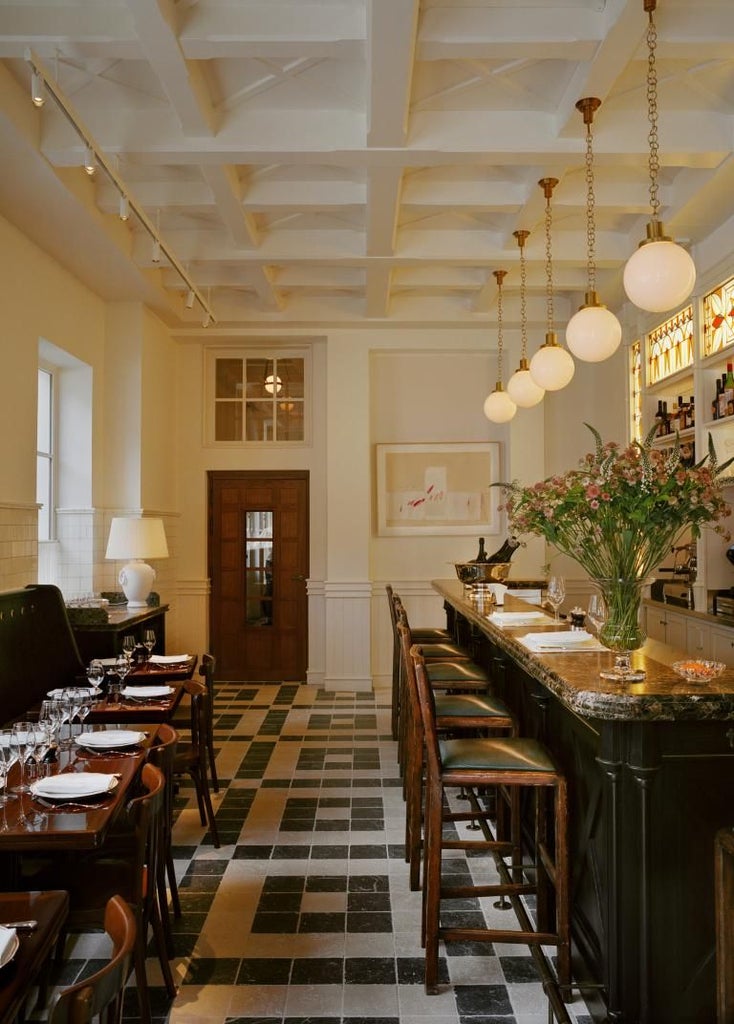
x=621, y=632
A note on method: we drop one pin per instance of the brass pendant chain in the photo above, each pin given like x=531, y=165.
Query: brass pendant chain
x=652, y=114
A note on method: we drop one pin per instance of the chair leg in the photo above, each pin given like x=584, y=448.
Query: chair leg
x=432, y=884
x=160, y=942
x=172, y=884
x=162, y=897
x=202, y=794
x=212, y=763
x=141, y=978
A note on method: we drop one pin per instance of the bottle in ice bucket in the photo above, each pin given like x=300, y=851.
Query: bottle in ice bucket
x=482, y=554
x=504, y=553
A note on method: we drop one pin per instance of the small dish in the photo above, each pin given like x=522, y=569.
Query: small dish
x=74, y=785
x=9, y=944
x=698, y=670
x=147, y=692
x=110, y=739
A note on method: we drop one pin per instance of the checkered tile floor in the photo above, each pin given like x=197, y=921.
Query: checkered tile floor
x=304, y=916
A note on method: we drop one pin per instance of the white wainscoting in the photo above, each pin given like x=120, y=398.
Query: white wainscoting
x=424, y=607
x=316, y=672
x=347, y=621
x=187, y=621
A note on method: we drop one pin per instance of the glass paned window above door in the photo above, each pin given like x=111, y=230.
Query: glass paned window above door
x=258, y=399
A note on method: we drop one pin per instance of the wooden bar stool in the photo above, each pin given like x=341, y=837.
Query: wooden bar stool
x=428, y=634
x=513, y=763
x=455, y=712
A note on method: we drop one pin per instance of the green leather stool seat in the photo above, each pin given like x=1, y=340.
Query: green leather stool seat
x=501, y=754
x=456, y=675
x=470, y=705
x=443, y=652
x=430, y=635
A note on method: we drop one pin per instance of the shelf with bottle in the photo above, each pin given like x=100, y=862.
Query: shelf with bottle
x=673, y=415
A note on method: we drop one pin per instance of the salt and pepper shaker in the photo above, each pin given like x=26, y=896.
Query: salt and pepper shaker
x=577, y=616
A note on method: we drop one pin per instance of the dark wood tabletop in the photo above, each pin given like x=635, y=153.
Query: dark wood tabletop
x=153, y=672
x=134, y=710
x=17, y=978
x=30, y=823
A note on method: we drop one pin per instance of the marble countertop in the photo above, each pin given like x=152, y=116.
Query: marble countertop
x=574, y=677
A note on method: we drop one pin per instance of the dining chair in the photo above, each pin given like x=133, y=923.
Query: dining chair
x=192, y=756
x=100, y=996
x=128, y=868
x=162, y=754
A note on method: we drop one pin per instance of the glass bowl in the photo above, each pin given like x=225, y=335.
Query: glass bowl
x=697, y=670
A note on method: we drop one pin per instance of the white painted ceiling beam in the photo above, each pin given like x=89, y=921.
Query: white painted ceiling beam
x=392, y=31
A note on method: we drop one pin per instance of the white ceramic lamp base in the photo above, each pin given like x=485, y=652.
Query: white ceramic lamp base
x=136, y=579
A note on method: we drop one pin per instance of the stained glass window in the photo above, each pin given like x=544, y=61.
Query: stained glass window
x=718, y=318
x=636, y=391
x=670, y=346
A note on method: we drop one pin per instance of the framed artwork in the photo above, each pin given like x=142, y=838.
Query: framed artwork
x=425, y=489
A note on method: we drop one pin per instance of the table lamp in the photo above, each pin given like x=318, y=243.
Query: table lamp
x=136, y=539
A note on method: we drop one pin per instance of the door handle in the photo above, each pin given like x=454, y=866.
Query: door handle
x=299, y=576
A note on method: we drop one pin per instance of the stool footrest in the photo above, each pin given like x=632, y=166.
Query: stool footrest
x=498, y=889
x=477, y=844
x=498, y=935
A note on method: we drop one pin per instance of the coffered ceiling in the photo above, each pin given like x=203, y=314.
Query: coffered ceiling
x=336, y=162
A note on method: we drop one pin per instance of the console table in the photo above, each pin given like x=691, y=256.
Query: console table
x=650, y=768
x=104, y=640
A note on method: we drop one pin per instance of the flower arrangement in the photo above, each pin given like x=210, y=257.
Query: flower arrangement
x=620, y=513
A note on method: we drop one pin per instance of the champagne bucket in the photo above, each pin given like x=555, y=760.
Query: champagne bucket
x=482, y=572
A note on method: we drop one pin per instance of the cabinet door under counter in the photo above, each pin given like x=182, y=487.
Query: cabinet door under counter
x=699, y=635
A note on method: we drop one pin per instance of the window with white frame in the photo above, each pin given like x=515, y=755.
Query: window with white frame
x=257, y=398
x=45, y=455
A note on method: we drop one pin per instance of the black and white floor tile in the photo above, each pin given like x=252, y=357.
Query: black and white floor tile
x=304, y=915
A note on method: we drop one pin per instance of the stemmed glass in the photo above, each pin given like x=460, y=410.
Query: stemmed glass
x=85, y=706
x=95, y=674
x=7, y=760
x=23, y=739
x=128, y=646
x=122, y=668
x=597, y=612
x=556, y=593
x=149, y=641
x=73, y=698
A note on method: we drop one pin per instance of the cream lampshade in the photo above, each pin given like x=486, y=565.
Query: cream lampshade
x=134, y=539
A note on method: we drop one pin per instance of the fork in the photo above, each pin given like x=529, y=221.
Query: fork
x=70, y=804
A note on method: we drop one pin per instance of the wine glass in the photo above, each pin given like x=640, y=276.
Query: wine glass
x=95, y=674
x=556, y=593
x=596, y=612
x=85, y=705
x=128, y=646
x=122, y=668
x=149, y=641
x=23, y=739
x=7, y=760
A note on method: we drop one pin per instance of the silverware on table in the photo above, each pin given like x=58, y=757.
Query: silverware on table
x=21, y=926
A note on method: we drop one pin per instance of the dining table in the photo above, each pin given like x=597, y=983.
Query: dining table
x=41, y=915
x=137, y=704
x=31, y=822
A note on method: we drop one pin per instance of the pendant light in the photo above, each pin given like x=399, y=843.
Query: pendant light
x=660, y=274
x=499, y=407
x=552, y=366
x=521, y=387
x=594, y=332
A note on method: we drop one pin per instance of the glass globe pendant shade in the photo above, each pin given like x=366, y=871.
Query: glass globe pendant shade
x=552, y=366
x=498, y=406
x=593, y=333
x=660, y=274
x=522, y=389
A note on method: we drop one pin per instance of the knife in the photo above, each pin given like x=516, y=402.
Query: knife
x=23, y=926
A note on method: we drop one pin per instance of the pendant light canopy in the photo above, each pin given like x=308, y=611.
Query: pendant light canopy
x=660, y=274
x=552, y=366
x=498, y=406
x=521, y=387
x=593, y=333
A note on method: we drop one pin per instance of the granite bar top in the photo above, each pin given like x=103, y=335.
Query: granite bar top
x=574, y=677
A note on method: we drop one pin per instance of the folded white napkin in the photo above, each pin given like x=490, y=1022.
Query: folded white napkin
x=517, y=618
x=8, y=944
x=558, y=638
x=146, y=691
x=167, y=659
x=74, y=784
x=106, y=739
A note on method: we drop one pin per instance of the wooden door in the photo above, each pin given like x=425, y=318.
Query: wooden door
x=258, y=564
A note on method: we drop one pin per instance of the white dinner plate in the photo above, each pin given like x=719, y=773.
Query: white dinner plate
x=147, y=691
x=74, y=785
x=110, y=739
x=168, y=659
x=9, y=944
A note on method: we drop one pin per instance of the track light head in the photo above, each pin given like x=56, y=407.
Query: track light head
x=190, y=299
x=37, y=90
x=156, y=256
x=124, y=208
x=207, y=319
x=90, y=161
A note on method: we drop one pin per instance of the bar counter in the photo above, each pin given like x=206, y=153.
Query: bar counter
x=650, y=768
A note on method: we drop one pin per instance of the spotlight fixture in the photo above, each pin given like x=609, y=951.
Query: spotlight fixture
x=37, y=91
x=660, y=274
x=594, y=332
x=207, y=319
x=190, y=296
x=498, y=406
x=521, y=387
x=552, y=366
x=90, y=161
x=124, y=207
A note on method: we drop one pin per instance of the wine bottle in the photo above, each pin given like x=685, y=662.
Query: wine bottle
x=682, y=412
x=482, y=554
x=692, y=412
x=659, y=419
x=505, y=553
